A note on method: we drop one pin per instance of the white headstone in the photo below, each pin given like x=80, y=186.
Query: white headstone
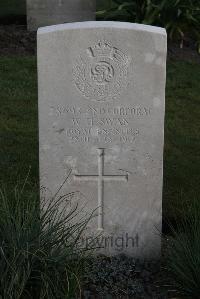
x=51, y=12
x=101, y=114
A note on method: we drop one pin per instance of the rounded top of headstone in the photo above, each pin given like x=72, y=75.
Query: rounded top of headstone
x=102, y=24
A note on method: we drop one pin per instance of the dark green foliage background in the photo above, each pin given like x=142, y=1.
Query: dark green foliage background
x=181, y=18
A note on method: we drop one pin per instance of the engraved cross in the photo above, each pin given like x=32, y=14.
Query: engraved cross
x=101, y=178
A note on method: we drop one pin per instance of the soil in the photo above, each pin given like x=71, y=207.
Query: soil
x=122, y=277
x=187, y=53
x=16, y=40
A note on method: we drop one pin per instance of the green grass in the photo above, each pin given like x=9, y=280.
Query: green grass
x=39, y=255
x=18, y=119
x=38, y=259
x=183, y=254
x=19, y=129
x=182, y=138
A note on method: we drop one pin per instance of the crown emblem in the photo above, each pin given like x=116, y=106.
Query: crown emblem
x=101, y=72
x=103, y=48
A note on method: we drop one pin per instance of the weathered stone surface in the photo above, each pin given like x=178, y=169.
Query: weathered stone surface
x=101, y=114
x=51, y=12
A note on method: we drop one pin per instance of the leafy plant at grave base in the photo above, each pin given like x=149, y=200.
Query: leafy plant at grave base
x=179, y=17
x=183, y=258
x=39, y=256
x=129, y=11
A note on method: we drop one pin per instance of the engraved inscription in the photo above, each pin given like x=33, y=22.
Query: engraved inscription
x=105, y=124
x=101, y=178
x=103, y=110
x=101, y=72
